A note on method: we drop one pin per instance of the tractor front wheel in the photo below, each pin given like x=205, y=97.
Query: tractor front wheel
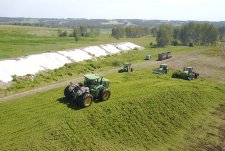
x=87, y=100
x=104, y=95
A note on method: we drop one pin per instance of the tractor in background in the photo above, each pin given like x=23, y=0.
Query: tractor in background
x=163, y=69
x=126, y=68
x=187, y=74
x=93, y=88
x=164, y=56
x=148, y=57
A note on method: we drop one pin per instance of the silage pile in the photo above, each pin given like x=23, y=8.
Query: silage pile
x=48, y=61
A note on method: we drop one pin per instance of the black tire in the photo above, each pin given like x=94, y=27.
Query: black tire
x=131, y=69
x=104, y=95
x=174, y=75
x=86, y=100
x=120, y=70
x=196, y=75
x=67, y=93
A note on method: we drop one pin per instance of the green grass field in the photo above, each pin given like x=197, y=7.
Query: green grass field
x=18, y=41
x=78, y=69
x=145, y=112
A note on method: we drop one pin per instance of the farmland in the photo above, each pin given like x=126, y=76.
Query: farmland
x=19, y=41
x=149, y=113
x=145, y=112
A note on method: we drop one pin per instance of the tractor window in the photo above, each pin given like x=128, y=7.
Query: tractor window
x=189, y=70
x=89, y=82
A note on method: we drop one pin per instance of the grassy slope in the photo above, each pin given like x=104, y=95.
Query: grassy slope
x=21, y=40
x=145, y=112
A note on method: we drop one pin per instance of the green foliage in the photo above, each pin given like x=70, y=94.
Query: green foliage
x=154, y=31
x=164, y=35
x=118, y=32
x=222, y=33
x=77, y=33
x=198, y=34
x=62, y=33
x=130, y=31
x=145, y=114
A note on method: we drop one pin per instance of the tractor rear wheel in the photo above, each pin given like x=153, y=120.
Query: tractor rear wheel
x=104, y=95
x=67, y=93
x=196, y=75
x=131, y=69
x=86, y=100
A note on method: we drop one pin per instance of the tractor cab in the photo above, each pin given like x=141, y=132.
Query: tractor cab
x=95, y=80
x=163, y=66
x=188, y=70
x=126, y=66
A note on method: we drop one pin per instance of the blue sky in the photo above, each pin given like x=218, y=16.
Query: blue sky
x=210, y=10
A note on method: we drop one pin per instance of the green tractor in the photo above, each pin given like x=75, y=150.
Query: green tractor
x=187, y=74
x=126, y=68
x=93, y=88
x=163, y=69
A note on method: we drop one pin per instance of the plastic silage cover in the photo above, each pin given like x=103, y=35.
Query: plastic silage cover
x=49, y=60
x=30, y=65
x=95, y=50
x=110, y=48
x=5, y=72
x=123, y=47
x=132, y=45
x=34, y=63
x=76, y=55
x=5, y=77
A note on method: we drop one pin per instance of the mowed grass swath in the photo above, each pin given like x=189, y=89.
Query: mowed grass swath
x=145, y=112
x=18, y=41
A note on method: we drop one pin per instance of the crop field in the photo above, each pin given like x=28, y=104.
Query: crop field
x=100, y=64
x=19, y=40
x=145, y=112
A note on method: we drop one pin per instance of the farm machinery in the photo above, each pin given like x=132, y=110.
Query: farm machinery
x=163, y=69
x=126, y=68
x=93, y=88
x=164, y=56
x=187, y=74
x=148, y=57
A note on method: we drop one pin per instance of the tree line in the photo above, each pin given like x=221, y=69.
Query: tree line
x=81, y=31
x=130, y=31
x=188, y=34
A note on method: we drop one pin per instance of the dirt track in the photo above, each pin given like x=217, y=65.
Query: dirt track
x=195, y=59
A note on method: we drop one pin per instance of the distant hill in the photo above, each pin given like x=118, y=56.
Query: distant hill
x=99, y=23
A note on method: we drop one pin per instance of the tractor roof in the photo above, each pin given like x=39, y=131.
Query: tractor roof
x=91, y=76
x=163, y=64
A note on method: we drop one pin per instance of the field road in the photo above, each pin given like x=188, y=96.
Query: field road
x=176, y=62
